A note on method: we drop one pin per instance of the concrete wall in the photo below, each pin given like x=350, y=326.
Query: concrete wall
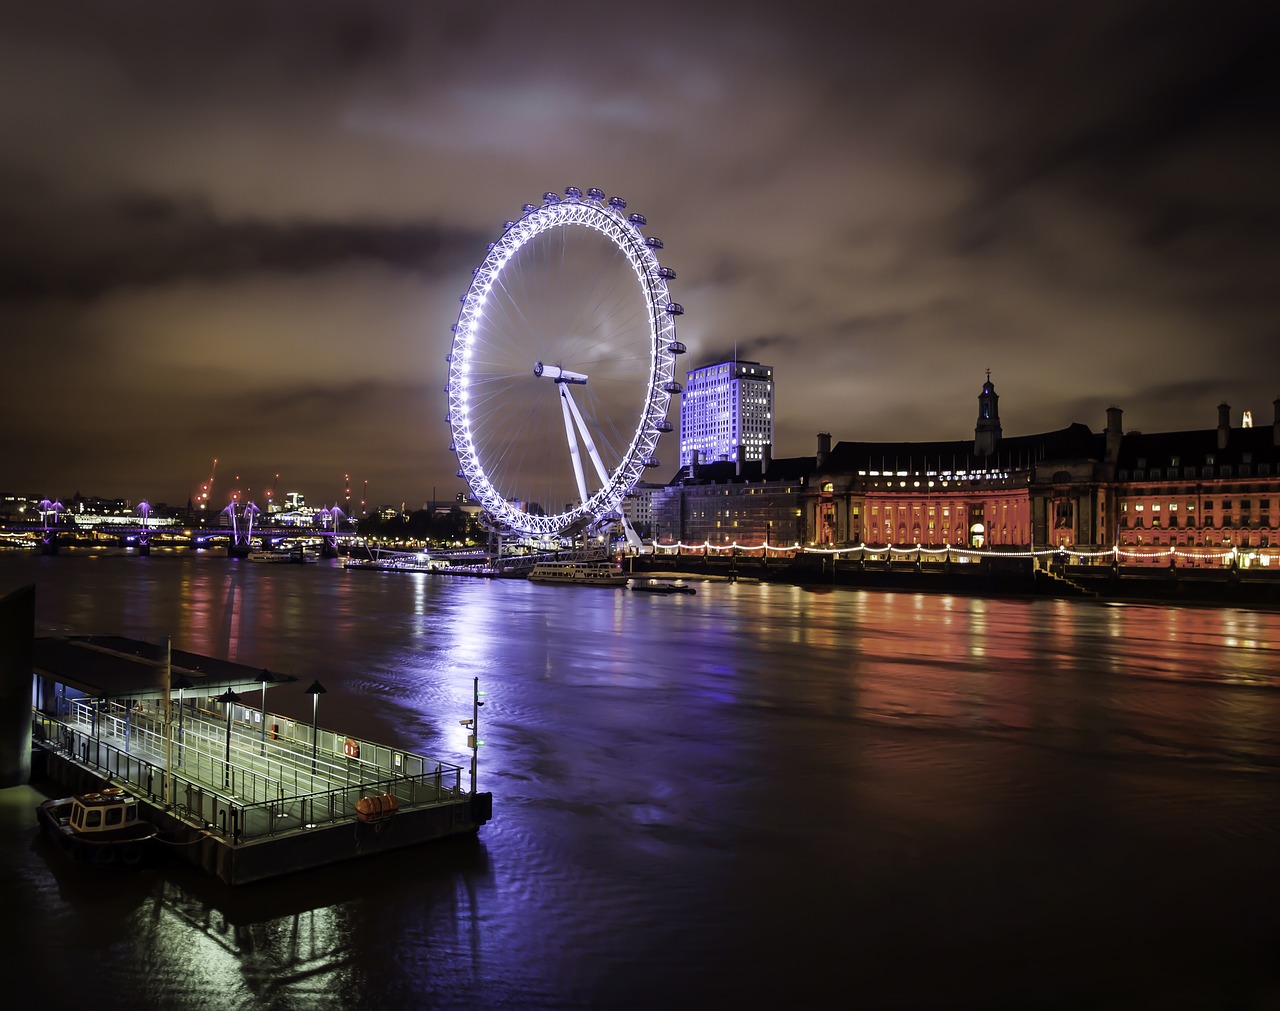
x=17, y=635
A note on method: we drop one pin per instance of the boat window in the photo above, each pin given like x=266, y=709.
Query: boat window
x=131, y=812
x=115, y=815
x=92, y=817
x=77, y=816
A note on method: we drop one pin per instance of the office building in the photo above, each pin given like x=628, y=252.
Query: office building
x=726, y=407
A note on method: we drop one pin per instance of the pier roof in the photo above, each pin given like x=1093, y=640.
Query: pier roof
x=112, y=666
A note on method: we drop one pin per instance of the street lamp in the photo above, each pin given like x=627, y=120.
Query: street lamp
x=228, y=699
x=182, y=683
x=315, y=691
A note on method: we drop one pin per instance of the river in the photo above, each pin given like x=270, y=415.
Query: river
x=758, y=796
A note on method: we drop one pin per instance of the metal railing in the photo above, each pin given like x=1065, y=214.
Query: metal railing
x=260, y=792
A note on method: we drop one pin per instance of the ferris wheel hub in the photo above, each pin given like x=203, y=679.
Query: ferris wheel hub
x=559, y=375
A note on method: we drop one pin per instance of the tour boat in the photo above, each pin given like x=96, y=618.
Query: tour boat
x=662, y=586
x=99, y=829
x=598, y=573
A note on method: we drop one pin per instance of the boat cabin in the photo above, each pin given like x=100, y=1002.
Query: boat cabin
x=107, y=811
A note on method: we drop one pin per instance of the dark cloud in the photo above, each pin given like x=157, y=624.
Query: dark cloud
x=253, y=221
x=84, y=250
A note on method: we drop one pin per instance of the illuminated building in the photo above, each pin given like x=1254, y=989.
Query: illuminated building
x=637, y=507
x=733, y=503
x=726, y=407
x=1209, y=496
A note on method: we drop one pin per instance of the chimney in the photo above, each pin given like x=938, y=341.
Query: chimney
x=1114, y=432
x=1224, y=425
x=824, y=448
x=695, y=457
x=766, y=454
x=739, y=459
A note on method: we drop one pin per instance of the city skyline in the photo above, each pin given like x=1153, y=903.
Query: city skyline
x=242, y=233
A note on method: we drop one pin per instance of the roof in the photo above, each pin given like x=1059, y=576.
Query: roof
x=1075, y=442
x=112, y=666
x=792, y=468
x=1197, y=447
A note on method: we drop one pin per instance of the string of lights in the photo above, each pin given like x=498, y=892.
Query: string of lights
x=1229, y=556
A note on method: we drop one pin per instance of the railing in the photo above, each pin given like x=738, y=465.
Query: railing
x=275, y=794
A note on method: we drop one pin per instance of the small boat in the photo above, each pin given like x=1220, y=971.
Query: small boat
x=393, y=561
x=99, y=829
x=579, y=573
x=290, y=556
x=662, y=586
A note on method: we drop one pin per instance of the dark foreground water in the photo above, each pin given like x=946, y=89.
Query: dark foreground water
x=759, y=796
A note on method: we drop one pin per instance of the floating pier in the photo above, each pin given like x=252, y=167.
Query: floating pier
x=238, y=791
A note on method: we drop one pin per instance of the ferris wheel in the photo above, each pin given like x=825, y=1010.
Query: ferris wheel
x=562, y=365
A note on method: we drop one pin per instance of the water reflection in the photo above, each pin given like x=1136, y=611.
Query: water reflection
x=747, y=796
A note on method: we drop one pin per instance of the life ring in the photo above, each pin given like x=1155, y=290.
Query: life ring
x=131, y=855
x=103, y=856
x=112, y=791
x=351, y=748
x=92, y=796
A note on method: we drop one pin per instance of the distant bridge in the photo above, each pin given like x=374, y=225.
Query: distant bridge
x=238, y=529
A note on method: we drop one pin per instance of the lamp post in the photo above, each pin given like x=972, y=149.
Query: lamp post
x=228, y=699
x=315, y=691
x=264, y=677
x=181, y=682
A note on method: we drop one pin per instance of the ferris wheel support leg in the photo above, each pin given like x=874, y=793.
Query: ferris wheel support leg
x=629, y=531
x=586, y=438
x=565, y=404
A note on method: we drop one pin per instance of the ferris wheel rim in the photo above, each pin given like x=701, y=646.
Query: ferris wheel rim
x=623, y=231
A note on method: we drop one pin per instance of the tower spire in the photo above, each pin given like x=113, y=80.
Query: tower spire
x=986, y=434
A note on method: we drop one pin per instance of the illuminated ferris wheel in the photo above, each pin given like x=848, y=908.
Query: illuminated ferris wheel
x=562, y=365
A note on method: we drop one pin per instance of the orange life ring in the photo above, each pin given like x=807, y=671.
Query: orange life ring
x=351, y=748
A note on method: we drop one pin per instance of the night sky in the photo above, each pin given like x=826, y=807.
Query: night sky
x=240, y=229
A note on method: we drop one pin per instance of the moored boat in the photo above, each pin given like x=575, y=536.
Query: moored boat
x=99, y=829
x=579, y=573
x=667, y=586
x=288, y=556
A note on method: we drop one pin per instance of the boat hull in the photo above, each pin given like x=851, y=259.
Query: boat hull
x=126, y=847
x=578, y=574
x=657, y=586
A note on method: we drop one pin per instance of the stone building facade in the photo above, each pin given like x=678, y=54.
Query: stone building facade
x=1214, y=489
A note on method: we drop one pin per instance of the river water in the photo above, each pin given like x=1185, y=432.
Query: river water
x=758, y=796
